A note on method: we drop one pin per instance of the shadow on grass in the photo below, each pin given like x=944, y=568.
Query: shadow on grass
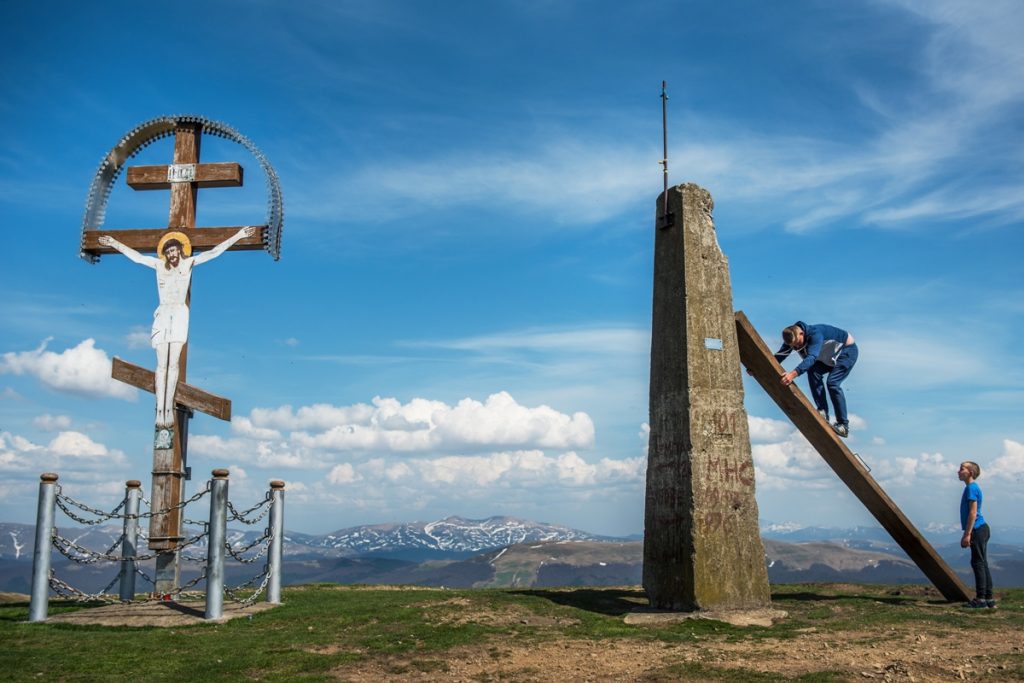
x=613, y=602
x=896, y=601
x=184, y=609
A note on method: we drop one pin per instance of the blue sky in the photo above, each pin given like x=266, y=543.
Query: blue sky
x=459, y=322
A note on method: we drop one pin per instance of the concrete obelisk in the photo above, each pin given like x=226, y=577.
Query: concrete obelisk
x=702, y=548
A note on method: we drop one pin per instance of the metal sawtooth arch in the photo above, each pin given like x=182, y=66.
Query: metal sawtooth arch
x=155, y=129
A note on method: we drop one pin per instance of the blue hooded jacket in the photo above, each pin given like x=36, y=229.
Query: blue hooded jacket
x=821, y=343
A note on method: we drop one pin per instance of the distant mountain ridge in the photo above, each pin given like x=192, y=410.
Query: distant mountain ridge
x=507, y=551
x=449, y=537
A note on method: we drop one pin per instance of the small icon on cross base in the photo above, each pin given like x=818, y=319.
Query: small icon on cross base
x=163, y=437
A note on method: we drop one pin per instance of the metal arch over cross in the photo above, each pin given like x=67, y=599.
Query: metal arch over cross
x=184, y=177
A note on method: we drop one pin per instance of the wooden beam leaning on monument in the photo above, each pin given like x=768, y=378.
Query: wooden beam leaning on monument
x=761, y=364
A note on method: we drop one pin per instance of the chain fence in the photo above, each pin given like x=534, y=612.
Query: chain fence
x=79, y=554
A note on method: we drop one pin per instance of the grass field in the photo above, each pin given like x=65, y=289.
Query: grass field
x=329, y=632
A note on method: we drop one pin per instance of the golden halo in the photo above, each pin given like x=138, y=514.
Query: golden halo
x=186, y=244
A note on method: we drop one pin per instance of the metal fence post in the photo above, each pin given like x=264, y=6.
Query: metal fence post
x=132, y=494
x=274, y=559
x=215, y=551
x=40, y=600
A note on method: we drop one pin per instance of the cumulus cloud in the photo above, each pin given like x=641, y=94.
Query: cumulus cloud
x=83, y=370
x=343, y=474
x=389, y=425
x=926, y=467
x=243, y=426
x=474, y=475
x=1009, y=465
x=76, y=444
x=319, y=416
x=52, y=423
x=763, y=429
x=426, y=451
x=265, y=454
x=68, y=452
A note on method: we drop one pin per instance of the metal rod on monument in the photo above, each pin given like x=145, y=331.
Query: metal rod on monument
x=215, y=550
x=274, y=558
x=40, y=600
x=666, y=217
x=133, y=495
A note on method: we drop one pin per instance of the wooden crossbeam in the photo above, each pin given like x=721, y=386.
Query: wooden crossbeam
x=227, y=174
x=145, y=239
x=186, y=394
x=761, y=363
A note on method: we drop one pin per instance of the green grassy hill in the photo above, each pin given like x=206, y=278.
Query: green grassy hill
x=336, y=633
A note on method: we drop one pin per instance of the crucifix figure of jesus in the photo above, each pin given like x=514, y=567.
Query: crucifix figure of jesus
x=170, y=320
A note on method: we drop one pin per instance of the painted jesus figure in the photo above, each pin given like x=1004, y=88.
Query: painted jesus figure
x=170, y=320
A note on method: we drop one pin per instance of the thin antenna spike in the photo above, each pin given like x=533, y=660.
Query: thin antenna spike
x=665, y=215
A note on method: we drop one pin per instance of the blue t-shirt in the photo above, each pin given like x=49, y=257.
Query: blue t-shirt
x=971, y=492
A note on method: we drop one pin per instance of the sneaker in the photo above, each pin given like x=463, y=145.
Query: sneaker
x=824, y=415
x=841, y=429
x=976, y=603
x=991, y=604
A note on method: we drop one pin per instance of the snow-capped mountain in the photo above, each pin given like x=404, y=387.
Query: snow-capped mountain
x=452, y=535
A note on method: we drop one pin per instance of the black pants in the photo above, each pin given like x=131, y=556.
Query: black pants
x=979, y=562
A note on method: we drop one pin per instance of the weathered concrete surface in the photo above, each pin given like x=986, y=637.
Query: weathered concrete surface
x=735, y=617
x=702, y=548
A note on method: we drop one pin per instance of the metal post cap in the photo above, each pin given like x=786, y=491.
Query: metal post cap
x=48, y=477
x=133, y=483
x=277, y=484
x=220, y=473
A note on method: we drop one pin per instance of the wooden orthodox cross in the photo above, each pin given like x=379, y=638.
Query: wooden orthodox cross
x=183, y=177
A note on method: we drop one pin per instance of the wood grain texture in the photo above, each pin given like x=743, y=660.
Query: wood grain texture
x=186, y=394
x=761, y=363
x=145, y=239
x=227, y=174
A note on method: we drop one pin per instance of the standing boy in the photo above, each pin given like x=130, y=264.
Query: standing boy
x=976, y=533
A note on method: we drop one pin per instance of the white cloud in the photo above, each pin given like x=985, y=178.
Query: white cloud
x=71, y=454
x=343, y=474
x=52, y=423
x=243, y=426
x=927, y=469
x=763, y=429
x=264, y=454
x=319, y=416
x=476, y=475
x=83, y=370
x=502, y=421
x=1009, y=465
x=76, y=444
x=424, y=425
x=139, y=338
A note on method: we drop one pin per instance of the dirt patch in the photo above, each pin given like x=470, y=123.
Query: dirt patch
x=462, y=612
x=160, y=614
x=885, y=654
x=749, y=617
